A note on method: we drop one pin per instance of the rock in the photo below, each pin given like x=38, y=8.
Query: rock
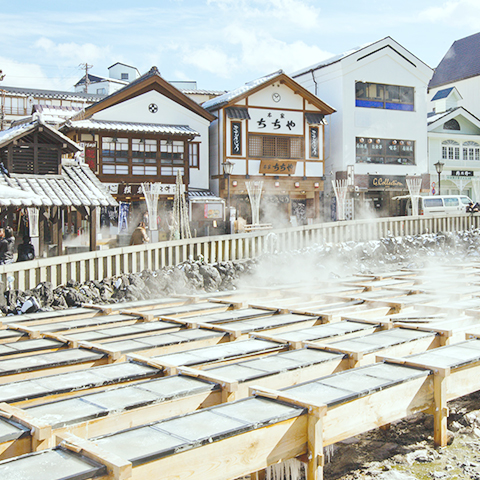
x=31, y=305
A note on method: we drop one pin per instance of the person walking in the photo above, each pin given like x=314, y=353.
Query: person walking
x=26, y=250
x=7, y=247
x=139, y=235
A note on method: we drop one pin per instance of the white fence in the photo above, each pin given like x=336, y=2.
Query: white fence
x=107, y=263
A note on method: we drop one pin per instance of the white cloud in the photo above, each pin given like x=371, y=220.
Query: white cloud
x=454, y=13
x=210, y=59
x=295, y=12
x=72, y=52
x=29, y=75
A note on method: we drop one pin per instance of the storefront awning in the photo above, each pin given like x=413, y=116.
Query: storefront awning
x=314, y=118
x=237, y=113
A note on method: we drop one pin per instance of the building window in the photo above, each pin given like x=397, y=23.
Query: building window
x=450, y=150
x=194, y=155
x=451, y=125
x=172, y=157
x=269, y=146
x=101, y=91
x=124, y=76
x=114, y=156
x=144, y=157
x=389, y=97
x=386, y=151
x=471, y=151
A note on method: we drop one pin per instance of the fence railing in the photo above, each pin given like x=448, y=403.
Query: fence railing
x=108, y=263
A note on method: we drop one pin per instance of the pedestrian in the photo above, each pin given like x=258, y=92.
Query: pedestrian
x=26, y=251
x=7, y=247
x=139, y=235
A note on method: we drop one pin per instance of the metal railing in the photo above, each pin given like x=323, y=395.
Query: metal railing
x=108, y=263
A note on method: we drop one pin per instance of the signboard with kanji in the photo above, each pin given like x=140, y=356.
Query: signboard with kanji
x=278, y=167
x=263, y=120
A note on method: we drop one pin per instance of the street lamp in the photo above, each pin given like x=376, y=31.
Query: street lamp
x=227, y=172
x=439, y=168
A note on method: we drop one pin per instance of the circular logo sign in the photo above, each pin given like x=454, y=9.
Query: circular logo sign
x=276, y=97
x=153, y=108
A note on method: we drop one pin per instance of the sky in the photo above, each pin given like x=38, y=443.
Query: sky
x=220, y=44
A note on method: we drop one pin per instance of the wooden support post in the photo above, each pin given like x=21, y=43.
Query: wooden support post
x=316, y=459
x=118, y=468
x=40, y=432
x=440, y=409
x=316, y=412
x=93, y=228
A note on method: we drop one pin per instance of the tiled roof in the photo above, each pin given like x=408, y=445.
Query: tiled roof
x=196, y=91
x=76, y=186
x=461, y=61
x=237, y=113
x=442, y=94
x=37, y=93
x=102, y=125
x=22, y=129
x=217, y=102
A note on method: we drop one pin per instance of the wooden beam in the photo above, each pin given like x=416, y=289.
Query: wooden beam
x=118, y=468
x=41, y=432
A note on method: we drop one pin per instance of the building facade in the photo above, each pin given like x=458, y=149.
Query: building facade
x=378, y=136
x=454, y=141
x=272, y=130
x=18, y=102
x=145, y=132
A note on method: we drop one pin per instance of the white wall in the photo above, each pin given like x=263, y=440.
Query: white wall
x=169, y=113
x=336, y=86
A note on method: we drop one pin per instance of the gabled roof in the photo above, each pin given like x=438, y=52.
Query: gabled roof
x=125, y=65
x=442, y=94
x=76, y=186
x=19, y=131
x=146, y=83
x=249, y=88
x=460, y=62
x=338, y=58
x=435, y=120
x=98, y=78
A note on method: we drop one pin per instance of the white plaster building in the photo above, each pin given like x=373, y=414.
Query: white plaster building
x=378, y=136
x=454, y=140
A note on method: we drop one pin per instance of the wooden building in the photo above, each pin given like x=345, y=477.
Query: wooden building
x=31, y=161
x=145, y=132
x=272, y=129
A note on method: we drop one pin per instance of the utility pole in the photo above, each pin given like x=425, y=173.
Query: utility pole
x=2, y=103
x=86, y=66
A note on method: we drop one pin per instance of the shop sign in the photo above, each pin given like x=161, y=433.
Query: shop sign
x=90, y=154
x=263, y=120
x=213, y=210
x=136, y=188
x=278, y=167
x=462, y=173
x=236, y=134
x=314, y=150
x=386, y=181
